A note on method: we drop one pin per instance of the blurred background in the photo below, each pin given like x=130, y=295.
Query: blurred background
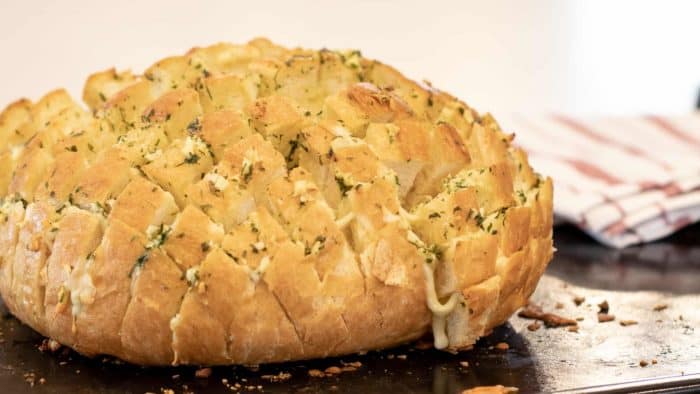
x=576, y=57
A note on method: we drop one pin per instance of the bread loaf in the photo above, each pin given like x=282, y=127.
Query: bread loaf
x=246, y=204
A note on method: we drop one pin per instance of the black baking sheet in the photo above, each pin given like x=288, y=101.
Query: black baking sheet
x=600, y=357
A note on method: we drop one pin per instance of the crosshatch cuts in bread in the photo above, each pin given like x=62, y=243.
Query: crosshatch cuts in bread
x=245, y=204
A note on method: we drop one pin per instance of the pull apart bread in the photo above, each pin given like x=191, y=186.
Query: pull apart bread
x=252, y=204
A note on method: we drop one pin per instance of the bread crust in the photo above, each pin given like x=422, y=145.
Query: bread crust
x=246, y=204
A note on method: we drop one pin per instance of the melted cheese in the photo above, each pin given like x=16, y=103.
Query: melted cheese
x=440, y=311
x=302, y=186
x=413, y=238
x=192, y=275
x=258, y=246
x=151, y=231
x=257, y=273
x=174, y=323
x=317, y=246
x=302, y=189
x=9, y=206
x=96, y=208
x=188, y=147
x=217, y=181
x=82, y=290
x=156, y=235
x=251, y=156
x=340, y=131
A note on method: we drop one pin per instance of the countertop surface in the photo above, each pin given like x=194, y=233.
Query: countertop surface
x=653, y=289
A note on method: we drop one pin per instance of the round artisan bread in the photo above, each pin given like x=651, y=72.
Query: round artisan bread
x=252, y=204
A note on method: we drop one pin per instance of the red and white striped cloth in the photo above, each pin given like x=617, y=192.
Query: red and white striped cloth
x=622, y=180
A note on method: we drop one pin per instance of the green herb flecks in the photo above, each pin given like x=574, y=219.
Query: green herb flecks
x=194, y=126
x=191, y=158
x=343, y=185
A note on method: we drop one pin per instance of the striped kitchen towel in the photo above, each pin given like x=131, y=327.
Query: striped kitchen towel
x=623, y=180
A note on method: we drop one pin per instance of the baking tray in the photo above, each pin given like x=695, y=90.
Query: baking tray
x=657, y=285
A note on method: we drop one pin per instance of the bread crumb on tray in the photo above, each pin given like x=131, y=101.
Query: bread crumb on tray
x=532, y=311
x=605, y=317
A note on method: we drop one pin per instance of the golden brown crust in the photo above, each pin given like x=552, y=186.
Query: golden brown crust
x=244, y=204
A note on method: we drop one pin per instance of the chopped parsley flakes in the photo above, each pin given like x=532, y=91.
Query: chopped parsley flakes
x=191, y=158
x=343, y=185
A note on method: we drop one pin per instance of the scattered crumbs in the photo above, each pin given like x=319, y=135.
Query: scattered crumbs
x=559, y=305
x=653, y=361
x=491, y=390
x=49, y=345
x=402, y=357
x=77, y=372
x=643, y=363
x=42, y=381
x=604, y=307
x=30, y=378
x=333, y=370
x=464, y=364
x=390, y=357
x=316, y=373
x=625, y=323
x=280, y=377
x=502, y=346
x=578, y=300
x=203, y=373
x=534, y=326
x=605, y=317
x=572, y=328
x=62, y=363
x=532, y=311
x=175, y=377
x=330, y=371
x=167, y=391
x=580, y=318
x=355, y=364
x=660, y=307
